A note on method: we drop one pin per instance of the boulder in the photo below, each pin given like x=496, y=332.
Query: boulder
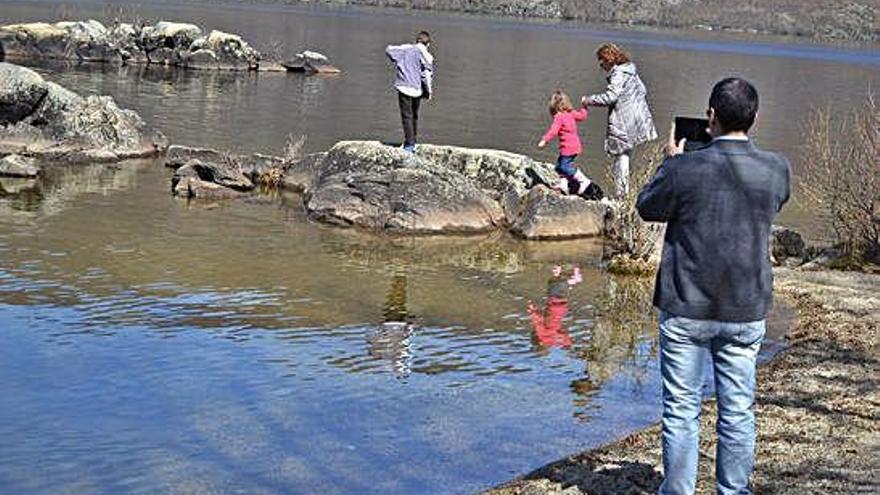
x=125, y=38
x=18, y=166
x=252, y=166
x=171, y=35
x=368, y=185
x=231, y=51
x=64, y=125
x=546, y=214
x=201, y=59
x=35, y=39
x=20, y=91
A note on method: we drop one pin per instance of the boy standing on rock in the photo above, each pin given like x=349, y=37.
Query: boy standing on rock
x=415, y=72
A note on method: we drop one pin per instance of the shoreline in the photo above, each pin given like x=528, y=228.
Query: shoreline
x=824, y=23
x=817, y=405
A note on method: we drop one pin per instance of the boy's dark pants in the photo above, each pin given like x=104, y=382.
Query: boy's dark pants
x=409, y=114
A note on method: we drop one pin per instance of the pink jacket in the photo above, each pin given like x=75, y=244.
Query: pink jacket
x=565, y=126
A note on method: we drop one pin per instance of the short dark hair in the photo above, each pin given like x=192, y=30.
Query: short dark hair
x=423, y=37
x=735, y=102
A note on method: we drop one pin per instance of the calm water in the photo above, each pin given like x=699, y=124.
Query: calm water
x=148, y=345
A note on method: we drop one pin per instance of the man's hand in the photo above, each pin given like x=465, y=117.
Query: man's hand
x=672, y=148
x=542, y=143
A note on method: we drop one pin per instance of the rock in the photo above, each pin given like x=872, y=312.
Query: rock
x=20, y=91
x=232, y=52
x=225, y=174
x=301, y=174
x=201, y=59
x=18, y=166
x=786, y=243
x=368, y=185
x=36, y=39
x=311, y=62
x=193, y=187
x=125, y=39
x=549, y=215
x=825, y=259
x=17, y=185
x=64, y=125
x=251, y=166
x=170, y=35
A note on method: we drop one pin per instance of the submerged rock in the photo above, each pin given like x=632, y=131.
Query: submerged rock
x=47, y=120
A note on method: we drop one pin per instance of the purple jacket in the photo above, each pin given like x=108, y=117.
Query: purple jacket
x=415, y=69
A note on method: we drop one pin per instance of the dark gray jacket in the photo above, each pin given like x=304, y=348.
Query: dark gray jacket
x=719, y=203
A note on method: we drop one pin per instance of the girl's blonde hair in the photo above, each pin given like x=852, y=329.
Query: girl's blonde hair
x=611, y=53
x=559, y=102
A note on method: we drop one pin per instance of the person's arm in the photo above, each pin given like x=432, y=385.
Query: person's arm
x=552, y=132
x=394, y=51
x=786, y=193
x=612, y=92
x=656, y=201
x=581, y=114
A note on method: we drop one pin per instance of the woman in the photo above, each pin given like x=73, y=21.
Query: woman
x=629, y=118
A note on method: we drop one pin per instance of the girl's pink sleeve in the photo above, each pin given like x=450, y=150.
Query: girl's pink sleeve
x=581, y=114
x=553, y=131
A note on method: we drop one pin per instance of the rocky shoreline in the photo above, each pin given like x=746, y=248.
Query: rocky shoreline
x=818, y=404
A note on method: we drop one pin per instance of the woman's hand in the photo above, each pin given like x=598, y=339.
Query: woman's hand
x=585, y=101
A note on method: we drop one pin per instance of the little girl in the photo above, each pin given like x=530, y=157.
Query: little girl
x=565, y=119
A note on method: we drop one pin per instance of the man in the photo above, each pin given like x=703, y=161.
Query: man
x=415, y=72
x=714, y=285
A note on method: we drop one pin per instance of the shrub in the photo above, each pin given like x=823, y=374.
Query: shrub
x=841, y=178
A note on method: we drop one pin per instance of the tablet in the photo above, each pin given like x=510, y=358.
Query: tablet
x=693, y=130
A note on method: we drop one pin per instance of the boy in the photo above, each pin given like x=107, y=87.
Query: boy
x=415, y=72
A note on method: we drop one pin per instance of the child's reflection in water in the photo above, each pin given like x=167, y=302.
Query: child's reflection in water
x=391, y=340
x=547, y=328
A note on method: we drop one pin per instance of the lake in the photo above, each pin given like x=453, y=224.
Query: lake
x=150, y=345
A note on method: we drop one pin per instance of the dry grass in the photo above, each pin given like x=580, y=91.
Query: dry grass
x=841, y=178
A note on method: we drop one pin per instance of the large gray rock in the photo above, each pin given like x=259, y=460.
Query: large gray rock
x=20, y=91
x=546, y=214
x=252, y=166
x=230, y=51
x=368, y=185
x=18, y=166
x=36, y=39
x=64, y=125
x=173, y=35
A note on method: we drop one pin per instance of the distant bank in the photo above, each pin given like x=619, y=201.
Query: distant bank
x=829, y=20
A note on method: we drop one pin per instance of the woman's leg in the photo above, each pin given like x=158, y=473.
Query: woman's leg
x=620, y=172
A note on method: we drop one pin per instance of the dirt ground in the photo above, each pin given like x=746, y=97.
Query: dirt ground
x=818, y=408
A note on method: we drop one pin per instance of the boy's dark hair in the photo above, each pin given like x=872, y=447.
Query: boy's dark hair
x=424, y=38
x=735, y=102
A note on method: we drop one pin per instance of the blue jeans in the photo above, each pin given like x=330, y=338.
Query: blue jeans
x=565, y=166
x=685, y=345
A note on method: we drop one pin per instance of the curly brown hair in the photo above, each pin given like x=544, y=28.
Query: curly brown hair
x=612, y=54
x=559, y=102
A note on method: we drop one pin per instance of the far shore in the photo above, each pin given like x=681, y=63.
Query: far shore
x=818, y=404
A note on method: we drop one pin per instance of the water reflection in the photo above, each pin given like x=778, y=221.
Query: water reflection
x=547, y=329
x=391, y=340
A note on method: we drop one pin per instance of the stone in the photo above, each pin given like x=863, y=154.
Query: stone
x=311, y=62
x=546, y=214
x=18, y=166
x=251, y=166
x=35, y=39
x=170, y=35
x=193, y=187
x=232, y=52
x=201, y=59
x=225, y=174
x=367, y=185
x=65, y=126
x=20, y=91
